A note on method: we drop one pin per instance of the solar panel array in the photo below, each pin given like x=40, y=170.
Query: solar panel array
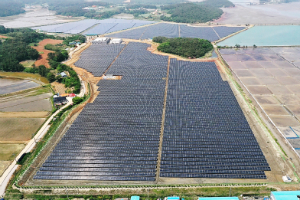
x=104, y=26
x=172, y=31
x=201, y=32
x=117, y=136
x=224, y=31
x=98, y=57
x=70, y=28
x=206, y=134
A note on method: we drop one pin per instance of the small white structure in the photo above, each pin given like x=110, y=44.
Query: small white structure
x=63, y=75
x=101, y=40
x=286, y=179
x=116, y=41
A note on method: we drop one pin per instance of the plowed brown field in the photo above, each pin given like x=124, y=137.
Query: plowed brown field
x=43, y=57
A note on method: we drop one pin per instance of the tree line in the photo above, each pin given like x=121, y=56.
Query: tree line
x=191, y=13
x=217, y=3
x=11, y=7
x=185, y=47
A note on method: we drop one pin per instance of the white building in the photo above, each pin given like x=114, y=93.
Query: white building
x=116, y=41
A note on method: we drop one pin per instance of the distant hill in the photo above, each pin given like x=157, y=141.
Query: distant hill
x=191, y=13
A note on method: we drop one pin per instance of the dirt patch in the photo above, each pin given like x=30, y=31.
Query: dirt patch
x=24, y=114
x=40, y=48
x=19, y=129
x=2, y=36
x=59, y=87
x=9, y=151
x=3, y=166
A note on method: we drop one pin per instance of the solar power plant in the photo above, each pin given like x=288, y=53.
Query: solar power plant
x=206, y=134
x=100, y=29
x=198, y=32
x=162, y=29
x=224, y=31
x=104, y=26
x=172, y=31
x=116, y=138
x=135, y=34
x=71, y=28
x=98, y=57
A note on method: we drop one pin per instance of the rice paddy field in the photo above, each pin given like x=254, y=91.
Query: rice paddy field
x=24, y=106
x=14, y=85
x=266, y=36
x=272, y=76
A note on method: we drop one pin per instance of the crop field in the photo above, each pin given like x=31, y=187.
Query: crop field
x=9, y=151
x=3, y=166
x=40, y=48
x=19, y=129
x=266, y=36
x=176, y=30
x=23, y=75
x=119, y=137
x=272, y=75
x=9, y=85
x=93, y=26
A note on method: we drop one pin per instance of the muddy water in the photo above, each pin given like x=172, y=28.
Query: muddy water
x=9, y=85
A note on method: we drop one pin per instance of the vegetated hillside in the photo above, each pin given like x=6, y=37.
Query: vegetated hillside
x=17, y=49
x=11, y=7
x=218, y=3
x=73, y=7
x=185, y=47
x=157, y=2
x=191, y=13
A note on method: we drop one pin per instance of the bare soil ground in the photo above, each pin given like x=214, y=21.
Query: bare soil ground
x=19, y=129
x=3, y=36
x=9, y=151
x=59, y=87
x=40, y=48
x=24, y=114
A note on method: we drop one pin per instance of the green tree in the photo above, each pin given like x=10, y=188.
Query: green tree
x=43, y=70
x=50, y=77
x=77, y=100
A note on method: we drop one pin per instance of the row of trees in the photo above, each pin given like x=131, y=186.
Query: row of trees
x=191, y=13
x=185, y=47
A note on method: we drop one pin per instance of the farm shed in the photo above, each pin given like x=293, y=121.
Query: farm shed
x=60, y=101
